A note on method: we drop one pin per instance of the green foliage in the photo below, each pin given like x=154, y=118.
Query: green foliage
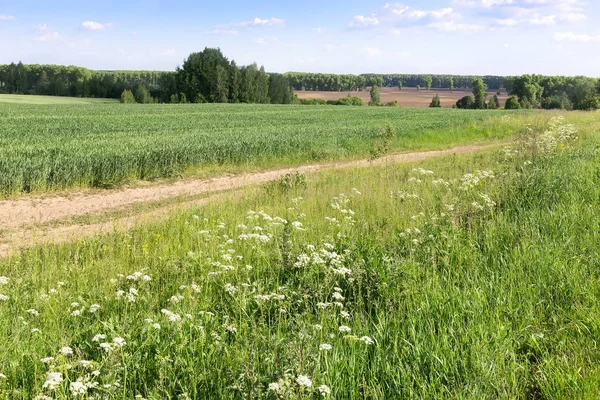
x=313, y=102
x=512, y=103
x=289, y=183
x=400, y=85
x=382, y=143
x=375, y=96
x=427, y=81
x=557, y=102
x=174, y=99
x=350, y=101
x=494, y=103
x=479, y=94
x=280, y=91
x=435, y=102
x=127, y=97
x=142, y=95
x=451, y=84
x=466, y=102
x=393, y=103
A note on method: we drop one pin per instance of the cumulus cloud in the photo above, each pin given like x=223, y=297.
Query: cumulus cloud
x=360, y=21
x=7, y=17
x=95, y=26
x=46, y=34
x=225, y=32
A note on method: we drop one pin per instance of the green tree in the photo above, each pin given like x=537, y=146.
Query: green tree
x=479, y=93
x=280, y=91
x=375, y=96
x=400, y=84
x=493, y=103
x=512, y=103
x=451, y=84
x=142, y=95
x=435, y=102
x=466, y=102
x=127, y=97
x=427, y=81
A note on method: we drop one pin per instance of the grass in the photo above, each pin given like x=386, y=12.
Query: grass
x=54, y=147
x=478, y=280
x=51, y=100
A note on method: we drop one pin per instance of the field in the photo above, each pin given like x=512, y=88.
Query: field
x=462, y=276
x=408, y=97
x=55, y=147
x=31, y=99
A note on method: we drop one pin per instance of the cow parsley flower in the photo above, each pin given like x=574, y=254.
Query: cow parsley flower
x=47, y=360
x=67, y=351
x=4, y=297
x=119, y=341
x=325, y=347
x=53, y=379
x=274, y=386
x=98, y=337
x=93, y=308
x=77, y=388
x=4, y=280
x=344, y=329
x=324, y=390
x=367, y=340
x=304, y=381
x=33, y=312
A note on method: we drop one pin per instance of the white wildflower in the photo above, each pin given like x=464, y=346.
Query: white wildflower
x=53, y=379
x=75, y=313
x=77, y=388
x=98, y=337
x=33, y=312
x=304, y=381
x=274, y=386
x=47, y=360
x=324, y=390
x=93, y=308
x=344, y=329
x=4, y=297
x=367, y=340
x=67, y=351
x=325, y=347
x=119, y=341
x=4, y=280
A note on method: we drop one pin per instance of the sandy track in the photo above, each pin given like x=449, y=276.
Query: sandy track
x=20, y=217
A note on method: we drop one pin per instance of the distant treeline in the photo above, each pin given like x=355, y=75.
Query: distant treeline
x=207, y=76
x=335, y=83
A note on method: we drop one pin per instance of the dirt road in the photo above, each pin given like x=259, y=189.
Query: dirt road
x=31, y=220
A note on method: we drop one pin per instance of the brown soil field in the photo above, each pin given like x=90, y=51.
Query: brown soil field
x=408, y=97
x=35, y=220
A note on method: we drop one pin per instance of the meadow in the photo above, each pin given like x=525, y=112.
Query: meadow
x=471, y=277
x=59, y=146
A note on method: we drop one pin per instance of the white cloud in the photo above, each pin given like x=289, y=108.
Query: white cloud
x=95, y=26
x=574, y=37
x=507, y=45
x=572, y=17
x=395, y=32
x=452, y=26
x=259, y=41
x=257, y=22
x=360, y=21
x=542, y=20
x=371, y=51
x=492, y=3
x=7, y=17
x=46, y=35
x=318, y=30
x=225, y=32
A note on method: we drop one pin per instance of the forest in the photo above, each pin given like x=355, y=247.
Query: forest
x=209, y=76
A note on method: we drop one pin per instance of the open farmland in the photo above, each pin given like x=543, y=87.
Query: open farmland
x=408, y=97
x=51, y=147
x=465, y=276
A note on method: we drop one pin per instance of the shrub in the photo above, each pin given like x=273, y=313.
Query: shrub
x=127, y=97
x=557, y=102
x=493, y=103
x=512, y=104
x=466, y=102
x=435, y=102
x=393, y=103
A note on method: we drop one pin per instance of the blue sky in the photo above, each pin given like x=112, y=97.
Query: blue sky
x=501, y=37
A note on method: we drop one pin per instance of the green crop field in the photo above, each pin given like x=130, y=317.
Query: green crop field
x=31, y=99
x=50, y=147
x=464, y=277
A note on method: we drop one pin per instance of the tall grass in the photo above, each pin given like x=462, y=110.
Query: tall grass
x=463, y=277
x=46, y=147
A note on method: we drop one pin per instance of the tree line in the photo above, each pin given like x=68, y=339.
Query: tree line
x=346, y=82
x=206, y=76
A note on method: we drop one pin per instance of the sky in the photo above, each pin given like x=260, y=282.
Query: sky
x=482, y=37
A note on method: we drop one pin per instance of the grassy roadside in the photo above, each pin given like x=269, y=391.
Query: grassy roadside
x=475, y=281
